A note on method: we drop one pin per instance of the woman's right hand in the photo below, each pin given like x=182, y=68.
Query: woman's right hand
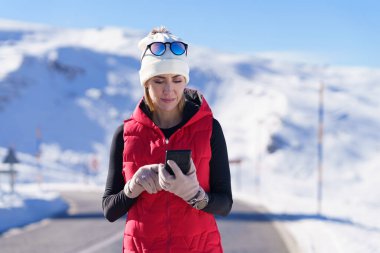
x=145, y=179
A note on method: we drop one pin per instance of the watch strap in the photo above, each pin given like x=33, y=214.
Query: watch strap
x=200, y=200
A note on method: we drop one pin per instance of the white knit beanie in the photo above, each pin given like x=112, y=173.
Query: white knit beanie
x=168, y=63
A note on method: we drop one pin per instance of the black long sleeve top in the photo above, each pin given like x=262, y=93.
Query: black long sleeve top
x=116, y=203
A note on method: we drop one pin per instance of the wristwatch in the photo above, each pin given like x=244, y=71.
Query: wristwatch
x=200, y=200
x=201, y=203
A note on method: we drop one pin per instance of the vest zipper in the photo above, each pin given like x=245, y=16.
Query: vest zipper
x=168, y=225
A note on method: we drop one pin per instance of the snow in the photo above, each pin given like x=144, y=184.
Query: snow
x=268, y=109
x=27, y=205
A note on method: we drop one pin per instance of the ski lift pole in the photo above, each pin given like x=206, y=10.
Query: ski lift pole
x=320, y=147
x=12, y=177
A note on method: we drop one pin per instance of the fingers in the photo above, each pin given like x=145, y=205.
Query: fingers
x=163, y=174
x=176, y=170
x=164, y=178
x=158, y=186
x=142, y=180
x=148, y=179
x=164, y=185
x=192, y=167
x=152, y=184
x=154, y=177
x=132, y=189
x=154, y=167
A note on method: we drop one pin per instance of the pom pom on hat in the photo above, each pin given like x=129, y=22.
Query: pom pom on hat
x=168, y=63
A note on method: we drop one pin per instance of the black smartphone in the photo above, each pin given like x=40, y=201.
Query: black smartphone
x=181, y=157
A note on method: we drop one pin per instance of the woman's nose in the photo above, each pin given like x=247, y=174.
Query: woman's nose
x=167, y=87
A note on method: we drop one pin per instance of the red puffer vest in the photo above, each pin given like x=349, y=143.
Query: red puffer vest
x=163, y=222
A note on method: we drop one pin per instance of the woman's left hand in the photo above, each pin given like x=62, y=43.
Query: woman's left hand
x=184, y=186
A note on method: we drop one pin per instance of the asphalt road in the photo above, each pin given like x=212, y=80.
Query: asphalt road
x=84, y=230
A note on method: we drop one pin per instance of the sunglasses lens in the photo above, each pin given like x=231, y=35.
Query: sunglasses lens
x=178, y=48
x=157, y=48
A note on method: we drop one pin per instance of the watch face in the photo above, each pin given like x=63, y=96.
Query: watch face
x=201, y=204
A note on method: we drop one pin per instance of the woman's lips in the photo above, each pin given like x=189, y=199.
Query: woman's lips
x=167, y=100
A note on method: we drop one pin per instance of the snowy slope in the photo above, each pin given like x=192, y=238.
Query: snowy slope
x=78, y=85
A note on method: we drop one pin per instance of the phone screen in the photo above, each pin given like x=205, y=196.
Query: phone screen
x=181, y=157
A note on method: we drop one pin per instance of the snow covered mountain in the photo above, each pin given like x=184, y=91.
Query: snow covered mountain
x=74, y=85
x=77, y=86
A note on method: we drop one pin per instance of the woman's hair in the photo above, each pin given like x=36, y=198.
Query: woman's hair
x=148, y=100
x=161, y=29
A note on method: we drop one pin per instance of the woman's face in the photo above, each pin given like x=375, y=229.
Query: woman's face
x=166, y=91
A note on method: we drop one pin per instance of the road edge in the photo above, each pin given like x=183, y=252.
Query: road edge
x=289, y=240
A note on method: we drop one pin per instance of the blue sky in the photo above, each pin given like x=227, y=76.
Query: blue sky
x=335, y=32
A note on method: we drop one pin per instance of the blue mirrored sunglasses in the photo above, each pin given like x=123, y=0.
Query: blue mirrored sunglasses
x=159, y=48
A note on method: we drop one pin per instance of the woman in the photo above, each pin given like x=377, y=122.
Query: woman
x=168, y=213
